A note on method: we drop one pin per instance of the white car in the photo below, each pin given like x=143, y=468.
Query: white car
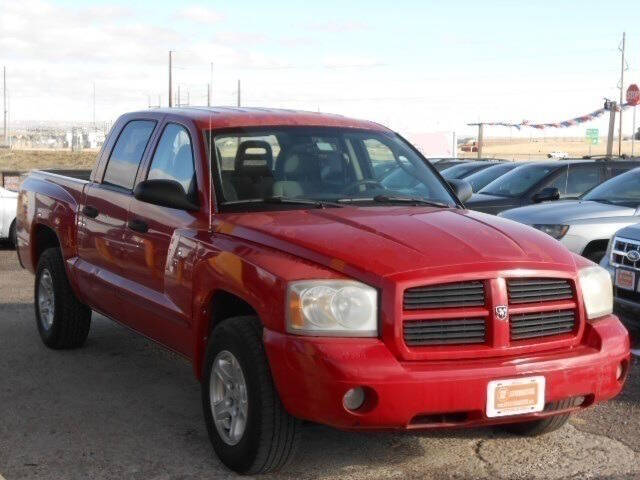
x=558, y=155
x=8, y=205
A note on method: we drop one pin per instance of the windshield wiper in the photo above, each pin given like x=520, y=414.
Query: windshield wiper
x=408, y=200
x=301, y=201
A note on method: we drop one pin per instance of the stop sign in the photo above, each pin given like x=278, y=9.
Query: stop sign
x=633, y=95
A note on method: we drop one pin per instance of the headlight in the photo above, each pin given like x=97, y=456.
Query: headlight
x=339, y=308
x=597, y=291
x=556, y=231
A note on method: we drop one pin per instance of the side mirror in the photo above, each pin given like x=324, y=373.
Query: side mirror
x=462, y=189
x=546, y=194
x=166, y=193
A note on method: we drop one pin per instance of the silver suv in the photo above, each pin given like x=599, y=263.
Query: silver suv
x=585, y=225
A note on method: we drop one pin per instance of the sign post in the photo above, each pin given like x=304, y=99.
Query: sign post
x=592, y=137
x=633, y=98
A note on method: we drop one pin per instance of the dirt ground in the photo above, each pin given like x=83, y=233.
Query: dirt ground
x=24, y=160
x=122, y=407
x=538, y=148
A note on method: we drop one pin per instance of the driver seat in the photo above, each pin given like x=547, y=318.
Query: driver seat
x=298, y=172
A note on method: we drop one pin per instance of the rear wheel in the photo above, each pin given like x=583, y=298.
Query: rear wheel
x=249, y=428
x=537, y=427
x=62, y=320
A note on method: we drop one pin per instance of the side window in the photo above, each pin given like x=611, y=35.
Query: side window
x=127, y=153
x=173, y=159
x=559, y=182
x=582, y=178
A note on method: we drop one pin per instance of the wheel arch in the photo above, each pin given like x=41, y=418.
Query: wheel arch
x=220, y=305
x=595, y=246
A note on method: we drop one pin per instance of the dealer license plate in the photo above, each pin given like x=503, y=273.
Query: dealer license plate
x=515, y=396
x=625, y=279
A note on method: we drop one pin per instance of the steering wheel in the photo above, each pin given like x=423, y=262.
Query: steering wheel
x=366, y=182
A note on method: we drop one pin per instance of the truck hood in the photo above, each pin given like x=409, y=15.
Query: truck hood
x=631, y=232
x=387, y=240
x=565, y=212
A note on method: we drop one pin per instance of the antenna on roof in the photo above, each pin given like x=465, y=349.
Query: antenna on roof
x=238, y=92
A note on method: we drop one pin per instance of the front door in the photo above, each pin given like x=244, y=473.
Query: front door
x=159, y=249
x=102, y=218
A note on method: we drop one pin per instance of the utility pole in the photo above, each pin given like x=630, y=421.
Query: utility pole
x=612, y=107
x=621, y=97
x=4, y=105
x=94, y=105
x=170, y=81
x=480, y=139
x=179, y=99
x=238, y=92
x=454, y=146
x=210, y=89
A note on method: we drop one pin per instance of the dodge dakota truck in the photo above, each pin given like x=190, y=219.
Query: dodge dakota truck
x=260, y=245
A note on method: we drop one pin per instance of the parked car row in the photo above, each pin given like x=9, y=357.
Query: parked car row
x=591, y=206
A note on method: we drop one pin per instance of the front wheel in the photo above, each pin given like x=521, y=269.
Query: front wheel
x=249, y=428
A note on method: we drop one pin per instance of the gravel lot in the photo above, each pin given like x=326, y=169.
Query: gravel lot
x=124, y=408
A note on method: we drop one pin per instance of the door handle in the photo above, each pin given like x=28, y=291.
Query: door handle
x=138, y=225
x=90, y=211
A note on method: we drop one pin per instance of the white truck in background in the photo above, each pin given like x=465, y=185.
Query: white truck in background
x=8, y=204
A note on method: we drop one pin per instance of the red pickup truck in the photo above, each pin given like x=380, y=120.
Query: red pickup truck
x=314, y=267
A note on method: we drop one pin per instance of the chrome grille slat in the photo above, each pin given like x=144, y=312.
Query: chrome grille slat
x=621, y=246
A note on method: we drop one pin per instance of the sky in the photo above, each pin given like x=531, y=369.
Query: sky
x=415, y=66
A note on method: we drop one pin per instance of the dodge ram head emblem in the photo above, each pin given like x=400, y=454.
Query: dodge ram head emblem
x=633, y=255
x=501, y=312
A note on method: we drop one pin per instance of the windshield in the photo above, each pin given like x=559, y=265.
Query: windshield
x=461, y=171
x=518, y=180
x=481, y=179
x=256, y=166
x=621, y=190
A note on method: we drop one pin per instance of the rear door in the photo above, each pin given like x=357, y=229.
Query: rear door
x=102, y=218
x=160, y=248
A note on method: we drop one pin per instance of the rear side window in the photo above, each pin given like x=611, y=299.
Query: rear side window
x=582, y=178
x=173, y=159
x=127, y=153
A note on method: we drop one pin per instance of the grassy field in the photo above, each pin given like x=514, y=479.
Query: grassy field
x=30, y=159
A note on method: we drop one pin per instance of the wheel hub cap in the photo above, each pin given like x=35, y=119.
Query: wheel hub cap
x=46, y=299
x=228, y=395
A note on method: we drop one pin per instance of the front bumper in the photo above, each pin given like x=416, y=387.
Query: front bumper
x=312, y=374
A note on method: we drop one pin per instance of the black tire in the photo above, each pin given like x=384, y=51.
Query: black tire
x=537, y=427
x=12, y=235
x=596, y=255
x=271, y=434
x=71, y=319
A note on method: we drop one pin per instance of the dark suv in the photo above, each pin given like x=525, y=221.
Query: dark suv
x=544, y=181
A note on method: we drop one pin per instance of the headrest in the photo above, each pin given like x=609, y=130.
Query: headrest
x=255, y=158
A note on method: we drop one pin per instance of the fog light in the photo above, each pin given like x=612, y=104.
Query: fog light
x=354, y=398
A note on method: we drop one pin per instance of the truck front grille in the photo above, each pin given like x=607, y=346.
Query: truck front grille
x=542, y=324
x=535, y=290
x=447, y=295
x=445, y=332
x=619, y=253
